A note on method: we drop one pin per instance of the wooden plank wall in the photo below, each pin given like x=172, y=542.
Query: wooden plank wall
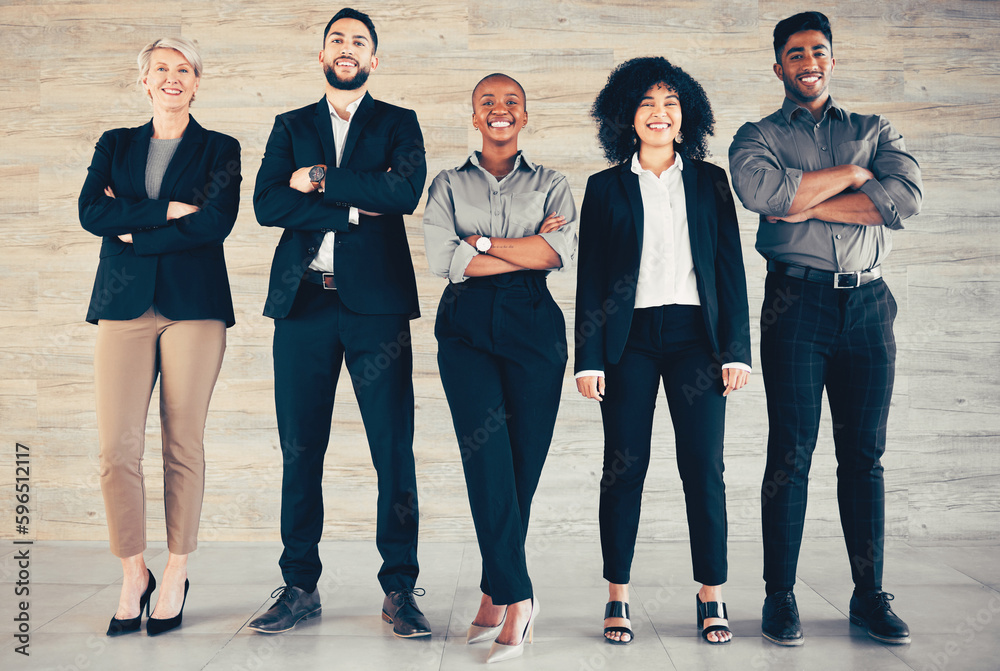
x=69, y=74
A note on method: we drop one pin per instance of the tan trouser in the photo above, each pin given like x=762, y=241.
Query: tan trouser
x=187, y=355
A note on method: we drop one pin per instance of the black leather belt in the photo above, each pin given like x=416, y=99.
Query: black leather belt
x=325, y=280
x=851, y=280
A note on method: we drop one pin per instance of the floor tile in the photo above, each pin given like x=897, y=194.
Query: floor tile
x=974, y=647
x=978, y=562
x=48, y=602
x=334, y=652
x=97, y=652
x=818, y=653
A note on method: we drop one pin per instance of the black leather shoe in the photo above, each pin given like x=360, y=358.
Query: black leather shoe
x=400, y=610
x=871, y=610
x=780, y=619
x=293, y=604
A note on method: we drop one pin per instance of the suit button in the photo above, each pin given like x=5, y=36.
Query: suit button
x=311, y=250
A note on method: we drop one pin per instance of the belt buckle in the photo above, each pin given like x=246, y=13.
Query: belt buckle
x=328, y=282
x=842, y=280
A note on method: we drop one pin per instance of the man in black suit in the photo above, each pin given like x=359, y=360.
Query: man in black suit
x=338, y=176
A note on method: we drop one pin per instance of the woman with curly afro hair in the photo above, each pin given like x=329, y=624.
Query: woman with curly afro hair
x=661, y=295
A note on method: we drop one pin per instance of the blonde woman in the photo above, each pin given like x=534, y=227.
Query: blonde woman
x=163, y=197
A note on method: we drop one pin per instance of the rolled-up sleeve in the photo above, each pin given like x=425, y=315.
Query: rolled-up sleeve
x=897, y=190
x=762, y=185
x=447, y=255
x=563, y=240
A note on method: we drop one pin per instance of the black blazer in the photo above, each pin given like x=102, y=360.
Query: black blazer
x=372, y=261
x=178, y=264
x=611, y=221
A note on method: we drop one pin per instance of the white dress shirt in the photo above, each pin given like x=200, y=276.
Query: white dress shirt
x=324, y=258
x=666, y=266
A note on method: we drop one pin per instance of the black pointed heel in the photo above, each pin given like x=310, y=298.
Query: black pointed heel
x=119, y=627
x=156, y=626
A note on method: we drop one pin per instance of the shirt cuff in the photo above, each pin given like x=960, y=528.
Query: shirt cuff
x=353, y=216
x=883, y=203
x=589, y=373
x=737, y=364
x=464, y=253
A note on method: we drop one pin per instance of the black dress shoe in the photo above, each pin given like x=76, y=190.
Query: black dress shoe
x=155, y=626
x=871, y=610
x=400, y=610
x=293, y=604
x=119, y=627
x=780, y=619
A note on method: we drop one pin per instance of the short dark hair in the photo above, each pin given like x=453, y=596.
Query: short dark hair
x=796, y=24
x=615, y=106
x=348, y=13
x=499, y=74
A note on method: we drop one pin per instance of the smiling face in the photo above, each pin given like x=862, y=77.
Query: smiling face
x=171, y=81
x=658, y=118
x=498, y=106
x=806, y=65
x=348, y=55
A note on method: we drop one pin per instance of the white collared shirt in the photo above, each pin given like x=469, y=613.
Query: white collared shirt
x=666, y=267
x=324, y=258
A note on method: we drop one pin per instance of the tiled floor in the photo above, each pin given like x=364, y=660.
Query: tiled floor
x=949, y=595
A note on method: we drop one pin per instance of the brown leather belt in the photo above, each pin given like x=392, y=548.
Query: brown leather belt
x=851, y=280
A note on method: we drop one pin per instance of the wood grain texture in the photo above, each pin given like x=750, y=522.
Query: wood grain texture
x=928, y=66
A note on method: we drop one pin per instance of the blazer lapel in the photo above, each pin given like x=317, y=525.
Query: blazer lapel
x=631, y=183
x=358, y=121
x=324, y=126
x=138, y=154
x=690, y=175
x=188, y=148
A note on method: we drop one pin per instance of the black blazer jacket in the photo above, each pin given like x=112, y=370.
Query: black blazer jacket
x=179, y=264
x=611, y=232
x=374, y=271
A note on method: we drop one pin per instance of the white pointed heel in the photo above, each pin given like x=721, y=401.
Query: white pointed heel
x=500, y=652
x=478, y=633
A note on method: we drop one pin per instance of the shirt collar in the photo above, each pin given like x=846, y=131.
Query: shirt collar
x=520, y=161
x=638, y=169
x=790, y=108
x=351, y=109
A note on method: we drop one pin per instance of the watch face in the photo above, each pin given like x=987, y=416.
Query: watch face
x=317, y=173
x=483, y=244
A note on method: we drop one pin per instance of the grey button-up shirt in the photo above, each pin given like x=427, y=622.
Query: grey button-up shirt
x=767, y=159
x=468, y=200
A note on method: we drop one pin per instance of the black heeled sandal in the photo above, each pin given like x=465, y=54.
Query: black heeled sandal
x=155, y=625
x=119, y=627
x=617, y=609
x=708, y=610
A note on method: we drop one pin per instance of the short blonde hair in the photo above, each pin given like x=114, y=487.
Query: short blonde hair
x=185, y=48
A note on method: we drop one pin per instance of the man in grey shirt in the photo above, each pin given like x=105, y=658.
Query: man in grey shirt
x=830, y=186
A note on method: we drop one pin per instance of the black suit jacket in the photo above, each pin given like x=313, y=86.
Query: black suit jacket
x=611, y=233
x=374, y=271
x=178, y=264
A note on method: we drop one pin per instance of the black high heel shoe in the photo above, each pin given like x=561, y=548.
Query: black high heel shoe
x=710, y=610
x=155, y=625
x=119, y=627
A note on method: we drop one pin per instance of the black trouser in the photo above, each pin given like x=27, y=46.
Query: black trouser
x=309, y=346
x=669, y=343
x=815, y=336
x=502, y=355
